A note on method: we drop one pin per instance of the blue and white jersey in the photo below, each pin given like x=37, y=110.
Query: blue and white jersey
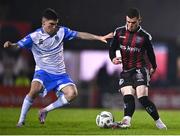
x=48, y=50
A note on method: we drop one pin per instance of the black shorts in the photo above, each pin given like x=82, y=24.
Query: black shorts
x=134, y=77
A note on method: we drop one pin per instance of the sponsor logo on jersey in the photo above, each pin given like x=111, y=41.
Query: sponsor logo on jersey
x=130, y=49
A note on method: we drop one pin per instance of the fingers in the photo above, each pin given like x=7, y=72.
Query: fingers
x=151, y=72
x=117, y=61
x=7, y=44
x=110, y=35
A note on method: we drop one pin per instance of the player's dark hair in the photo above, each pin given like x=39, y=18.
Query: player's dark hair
x=50, y=14
x=133, y=12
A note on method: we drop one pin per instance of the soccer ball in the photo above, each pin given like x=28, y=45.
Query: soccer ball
x=104, y=119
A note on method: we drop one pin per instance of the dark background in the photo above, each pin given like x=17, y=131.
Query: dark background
x=161, y=18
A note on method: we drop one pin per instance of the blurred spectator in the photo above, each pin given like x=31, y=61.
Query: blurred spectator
x=114, y=82
x=103, y=83
x=22, y=79
x=22, y=63
x=1, y=71
x=8, y=75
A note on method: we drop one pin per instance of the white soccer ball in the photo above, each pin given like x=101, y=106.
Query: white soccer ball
x=104, y=119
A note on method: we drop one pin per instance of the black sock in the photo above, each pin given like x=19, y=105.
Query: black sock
x=129, y=105
x=150, y=107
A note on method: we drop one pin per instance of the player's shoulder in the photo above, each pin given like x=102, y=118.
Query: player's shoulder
x=38, y=32
x=145, y=33
x=63, y=29
x=119, y=29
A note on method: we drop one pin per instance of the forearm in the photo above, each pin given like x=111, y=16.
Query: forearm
x=152, y=59
x=151, y=56
x=112, y=54
x=87, y=36
x=14, y=45
x=113, y=48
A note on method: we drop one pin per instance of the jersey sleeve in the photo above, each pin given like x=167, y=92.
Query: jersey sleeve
x=69, y=34
x=150, y=52
x=26, y=42
x=113, y=46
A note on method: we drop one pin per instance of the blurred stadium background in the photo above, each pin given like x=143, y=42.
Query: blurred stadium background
x=87, y=62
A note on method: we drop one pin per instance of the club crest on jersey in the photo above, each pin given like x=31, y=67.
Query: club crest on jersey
x=139, y=39
x=40, y=41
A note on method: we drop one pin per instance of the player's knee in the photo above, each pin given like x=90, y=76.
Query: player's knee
x=141, y=91
x=36, y=88
x=33, y=93
x=72, y=94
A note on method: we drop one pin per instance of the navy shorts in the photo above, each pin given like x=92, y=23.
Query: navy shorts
x=134, y=77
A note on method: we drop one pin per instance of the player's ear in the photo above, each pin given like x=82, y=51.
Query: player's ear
x=43, y=21
x=140, y=19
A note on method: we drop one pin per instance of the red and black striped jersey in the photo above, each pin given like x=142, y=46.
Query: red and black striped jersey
x=133, y=47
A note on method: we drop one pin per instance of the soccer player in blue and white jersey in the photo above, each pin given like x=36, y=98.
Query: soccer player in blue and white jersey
x=46, y=44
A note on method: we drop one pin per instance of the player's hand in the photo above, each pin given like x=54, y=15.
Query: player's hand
x=117, y=61
x=7, y=44
x=105, y=37
x=151, y=71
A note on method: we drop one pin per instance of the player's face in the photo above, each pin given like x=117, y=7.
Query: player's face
x=49, y=26
x=132, y=23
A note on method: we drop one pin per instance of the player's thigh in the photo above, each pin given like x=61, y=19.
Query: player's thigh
x=126, y=90
x=35, y=89
x=70, y=90
x=141, y=90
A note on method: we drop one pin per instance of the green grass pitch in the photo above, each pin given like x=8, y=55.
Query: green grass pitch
x=68, y=121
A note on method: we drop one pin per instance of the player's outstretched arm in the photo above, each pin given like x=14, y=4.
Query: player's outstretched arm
x=88, y=36
x=8, y=44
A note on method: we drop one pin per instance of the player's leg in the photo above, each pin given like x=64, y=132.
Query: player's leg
x=142, y=83
x=28, y=101
x=142, y=79
x=67, y=94
x=127, y=91
x=129, y=105
x=142, y=94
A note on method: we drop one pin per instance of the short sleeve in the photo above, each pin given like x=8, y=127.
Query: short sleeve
x=69, y=34
x=26, y=42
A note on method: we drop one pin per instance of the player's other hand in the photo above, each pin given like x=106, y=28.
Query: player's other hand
x=105, y=37
x=7, y=44
x=117, y=60
x=151, y=71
